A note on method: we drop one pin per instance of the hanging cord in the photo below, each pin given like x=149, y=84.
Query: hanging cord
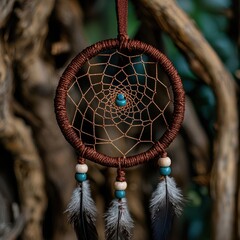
x=81, y=160
x=122, y=13
x=120, y=175
x=120, y=172
x=164, y=154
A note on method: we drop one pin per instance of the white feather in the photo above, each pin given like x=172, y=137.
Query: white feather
x=112, y=218
x=174, y=195
x=88, y=205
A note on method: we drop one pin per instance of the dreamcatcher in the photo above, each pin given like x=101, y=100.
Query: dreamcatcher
x=116, y=109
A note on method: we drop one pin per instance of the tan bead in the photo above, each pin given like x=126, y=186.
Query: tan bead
x=120, y=185
x=164, y=162
x=81, y=168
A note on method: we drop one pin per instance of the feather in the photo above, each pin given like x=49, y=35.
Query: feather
x=82, y=212
x=119, y=223
x=166, y=202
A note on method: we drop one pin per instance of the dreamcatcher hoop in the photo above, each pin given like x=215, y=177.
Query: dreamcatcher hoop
x=68, y=76
x=166, y=200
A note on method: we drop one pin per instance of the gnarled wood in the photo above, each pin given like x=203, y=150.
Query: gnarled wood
x=16, y=137
x=37, y=80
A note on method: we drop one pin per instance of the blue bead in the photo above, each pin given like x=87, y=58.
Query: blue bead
x=120, y=194
x=121, y=103
x=165, y=171
x=81, y=177
x=120, y=96
x=120, y=100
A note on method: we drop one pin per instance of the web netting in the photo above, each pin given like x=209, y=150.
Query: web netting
x=138, y=121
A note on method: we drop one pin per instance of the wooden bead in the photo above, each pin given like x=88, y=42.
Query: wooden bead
x=81, y=168
x=164, y=162
x=120, y=185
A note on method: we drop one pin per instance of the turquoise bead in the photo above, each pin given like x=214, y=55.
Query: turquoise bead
x=120, y=194
x=120, y=96
x=120, y=100
x=81, y=177
x=121, y=103
x=165, y=171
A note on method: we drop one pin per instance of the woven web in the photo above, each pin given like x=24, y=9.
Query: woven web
x=110, y=129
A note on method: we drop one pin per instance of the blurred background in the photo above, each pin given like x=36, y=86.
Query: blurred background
x=37, y=41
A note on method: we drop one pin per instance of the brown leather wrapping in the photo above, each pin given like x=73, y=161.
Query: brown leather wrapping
x=67, y=78
x=122, y=12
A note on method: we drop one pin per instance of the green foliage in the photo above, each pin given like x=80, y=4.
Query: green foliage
x=210, y=17
x=197, y=213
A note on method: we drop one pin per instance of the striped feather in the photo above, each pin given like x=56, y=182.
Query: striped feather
x=82, y=213
x=166, y=202
x=119, y=223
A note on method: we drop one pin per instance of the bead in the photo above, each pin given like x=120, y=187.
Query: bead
x=164, y=162
x=81, y=168
x=120, y=96
x=81, y=177
x=120, y=185
x=121, y=103
x=120, y=100
x=165, y=171
x=120, y=194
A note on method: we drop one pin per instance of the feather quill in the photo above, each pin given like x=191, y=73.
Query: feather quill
x=119, y=223
x=166, y=202
x=82, y=213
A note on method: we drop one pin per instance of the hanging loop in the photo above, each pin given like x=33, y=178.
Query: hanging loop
x=122, y=13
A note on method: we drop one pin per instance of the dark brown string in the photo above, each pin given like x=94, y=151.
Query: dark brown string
x=122, y=12
x=89, y=153
x=81, y=160
x=120, y=175
x=164, y=154
x=135, y=103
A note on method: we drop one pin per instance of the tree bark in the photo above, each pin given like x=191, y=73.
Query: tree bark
x=36, y=87
x=206, y=64
x=16, y=138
